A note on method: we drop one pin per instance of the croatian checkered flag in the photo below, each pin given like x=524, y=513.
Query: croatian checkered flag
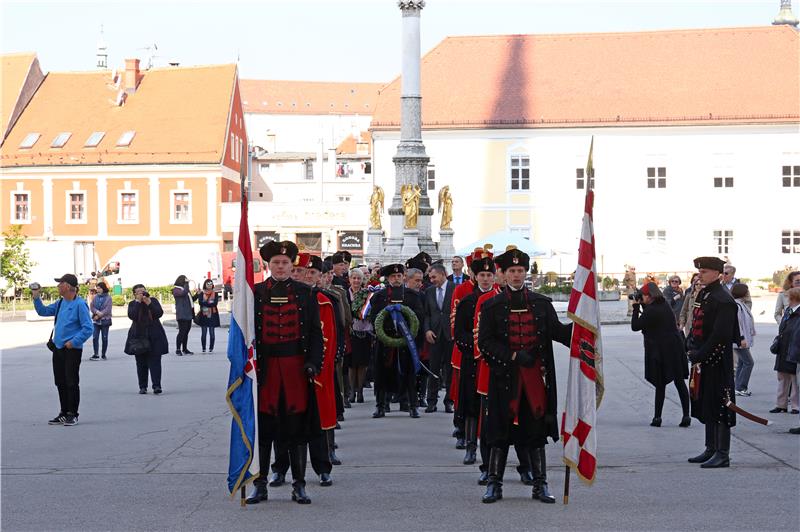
x=585, y=381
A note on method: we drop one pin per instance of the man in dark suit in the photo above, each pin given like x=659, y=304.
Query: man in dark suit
x=437, y=333
x=458, y=276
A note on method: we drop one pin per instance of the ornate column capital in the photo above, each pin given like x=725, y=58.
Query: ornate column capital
x=410, y=5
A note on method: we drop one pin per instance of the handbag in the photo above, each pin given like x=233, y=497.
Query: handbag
x=139, y=345
x=694, y=382
x=775, y=347
x=51, y=345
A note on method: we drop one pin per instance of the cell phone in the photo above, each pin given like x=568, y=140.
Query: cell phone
x=145, y=294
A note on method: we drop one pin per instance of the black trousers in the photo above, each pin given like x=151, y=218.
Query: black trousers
x=441, y=353
x=183, y=334
x=317, y=449
x=148, y=363
x=66, y=374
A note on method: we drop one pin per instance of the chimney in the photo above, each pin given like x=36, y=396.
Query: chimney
x=132, y=75
x=785, y=15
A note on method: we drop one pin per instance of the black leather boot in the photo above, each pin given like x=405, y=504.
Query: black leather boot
x=721, y=457
x=258, y=494
x=297, y=458
x=277, y=479
x=332, y=448
x=539, y=467
x=471, y=437
x=483, y=480
x=380, y=405
x=524, y=467
x=497, y=467
x=710, y=446
x=360, y=396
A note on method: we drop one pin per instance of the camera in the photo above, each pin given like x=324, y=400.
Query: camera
x=35, y=286
x=636, y=296
x=146, y=293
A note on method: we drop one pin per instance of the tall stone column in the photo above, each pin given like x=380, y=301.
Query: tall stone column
x=411, y=161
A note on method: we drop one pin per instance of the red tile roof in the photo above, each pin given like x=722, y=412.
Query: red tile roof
x=15, y=69
x=349, y=146
x=308, y=97
x=180, y=115
x=661, y=77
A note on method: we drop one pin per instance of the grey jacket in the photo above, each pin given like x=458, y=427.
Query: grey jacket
x=184, y=308
x=746, y=326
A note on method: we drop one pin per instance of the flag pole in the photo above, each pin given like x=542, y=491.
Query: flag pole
x=566, y=485
x=242, y=501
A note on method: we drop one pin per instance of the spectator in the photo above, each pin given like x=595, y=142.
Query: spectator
x=787, y=370
x=664, y=355
x=629, y=283
x=792, y=333
x=362, y=335
x=414, y=279
x=145, y=312
x=227, y=283
x=686, y=315
x=728, y=280
x=792, y=281
x=209, y=313
x=91, y=283
x=673, y=295
x=437, y=333
x=71, y=329
x=747, y=330
x=100, y=308
x=184, y=312
x=458, y=276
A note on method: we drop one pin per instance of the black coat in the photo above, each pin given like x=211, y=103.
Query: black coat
x=789, y=331
x=437, y=320
x=664, y=354
x=145, y=322
x=468, y=399
x=714, y=352
x=495, y=348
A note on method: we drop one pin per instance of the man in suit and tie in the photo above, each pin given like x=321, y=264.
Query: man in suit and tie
x=436, y=325
x=458, y=276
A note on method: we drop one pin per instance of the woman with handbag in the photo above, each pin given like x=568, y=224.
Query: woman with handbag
x=147, y=340
x=362, y=335
x=184, y=314
x=664, y=356
x=208, y=318
x=787, y=370
x=100, y=308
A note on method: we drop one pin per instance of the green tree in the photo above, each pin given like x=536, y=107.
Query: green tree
x=15, y=261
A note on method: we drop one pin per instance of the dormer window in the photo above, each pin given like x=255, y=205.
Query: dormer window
x=94, y=139
x=61, y=139
x=126, y=138
x=29, y=140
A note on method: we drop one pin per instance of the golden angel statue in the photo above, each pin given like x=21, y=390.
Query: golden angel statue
x=446, y=207
x=410, y=195
x=375, y=207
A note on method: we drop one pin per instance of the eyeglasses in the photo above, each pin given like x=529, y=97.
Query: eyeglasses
x=675, y=282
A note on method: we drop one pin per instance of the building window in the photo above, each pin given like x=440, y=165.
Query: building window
x=520, y=172
x=790, y=241
x=723, y=182
x=309, y=170
x=791, y=176
x=311, y=241
x=60, y=140
x=368, y=167
x=128, y=202
x=227, y=246
x=233, y=148
x=29, y=140
x=76, y=207
x=20, y=207
x=431, y=177
x=181, y=207
x=723, y=238
x=657, y=177
x=656, y=236
x=94, y=139
x=580, y=179
x=344, y=198
x=126, y=138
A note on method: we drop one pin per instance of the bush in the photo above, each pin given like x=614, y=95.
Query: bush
x=118, y=301
x=610, y=284
x=780, y=276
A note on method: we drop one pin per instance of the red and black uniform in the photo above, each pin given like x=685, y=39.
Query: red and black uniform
x=289, y=346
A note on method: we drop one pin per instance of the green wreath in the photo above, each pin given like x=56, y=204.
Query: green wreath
x=391, y=341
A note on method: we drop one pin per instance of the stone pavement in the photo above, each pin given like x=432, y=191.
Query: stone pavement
x=145, y=462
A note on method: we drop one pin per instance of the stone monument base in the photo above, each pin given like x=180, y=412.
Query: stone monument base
x=446, y=249
x=410, y=242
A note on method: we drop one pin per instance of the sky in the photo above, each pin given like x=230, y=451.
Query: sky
x=327, y=40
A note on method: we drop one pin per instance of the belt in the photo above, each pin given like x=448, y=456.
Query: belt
x=285, y=349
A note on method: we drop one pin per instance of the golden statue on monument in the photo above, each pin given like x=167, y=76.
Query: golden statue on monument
x=446, y=207
x=375, y=207
x=410, y=195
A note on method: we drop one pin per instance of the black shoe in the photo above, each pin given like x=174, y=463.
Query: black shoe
x=422, y=403
x=258, y=494
x=103, y=357
x=347, y=403
x=541, y=492
x=456, y=433
x=178, y=352
x=777, y=410
x=719, y=459
x=70, y=420
x=277, y=480
x=94, y=357
x=142, y=391
x=483, y=479
x=187, y=352
x=338, y=427
x=413, y=412
x=461, y=444
x=334, y=459
x=360, y=397
x=299, y=494
x=325, y=480
x=448, y=408
x=430, y=409
x=379, y=412
x=368, y=385
x=526, y=477
x=795, y=411
x=794, y=430
x=685, y=421
x=656, y=422
x=339, y=417
x=470, y=457
x=702, y=457
x=156, y=390
x=58, y=420
x=494, y=492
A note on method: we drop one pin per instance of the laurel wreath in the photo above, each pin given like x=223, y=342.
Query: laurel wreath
x=391, y=341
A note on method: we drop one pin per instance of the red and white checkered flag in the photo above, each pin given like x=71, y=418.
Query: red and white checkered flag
x=585, y=381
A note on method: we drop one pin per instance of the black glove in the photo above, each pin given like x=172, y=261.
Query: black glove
x=525, y=359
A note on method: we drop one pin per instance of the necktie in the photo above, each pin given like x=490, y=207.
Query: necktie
x=787, y=313
x=440, y=296
x=457, y=280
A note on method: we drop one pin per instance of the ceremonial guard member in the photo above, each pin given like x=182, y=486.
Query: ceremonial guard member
x=289, y=352
x=515, y=335
x=394, y=366
x=468, y=403
x=710, y=349
x=341, y=267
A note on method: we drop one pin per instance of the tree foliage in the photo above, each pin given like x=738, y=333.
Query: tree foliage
x=15, y=261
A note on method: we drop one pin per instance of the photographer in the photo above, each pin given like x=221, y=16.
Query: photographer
x=146, y=340
x=664, y=357
x=71, y=329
